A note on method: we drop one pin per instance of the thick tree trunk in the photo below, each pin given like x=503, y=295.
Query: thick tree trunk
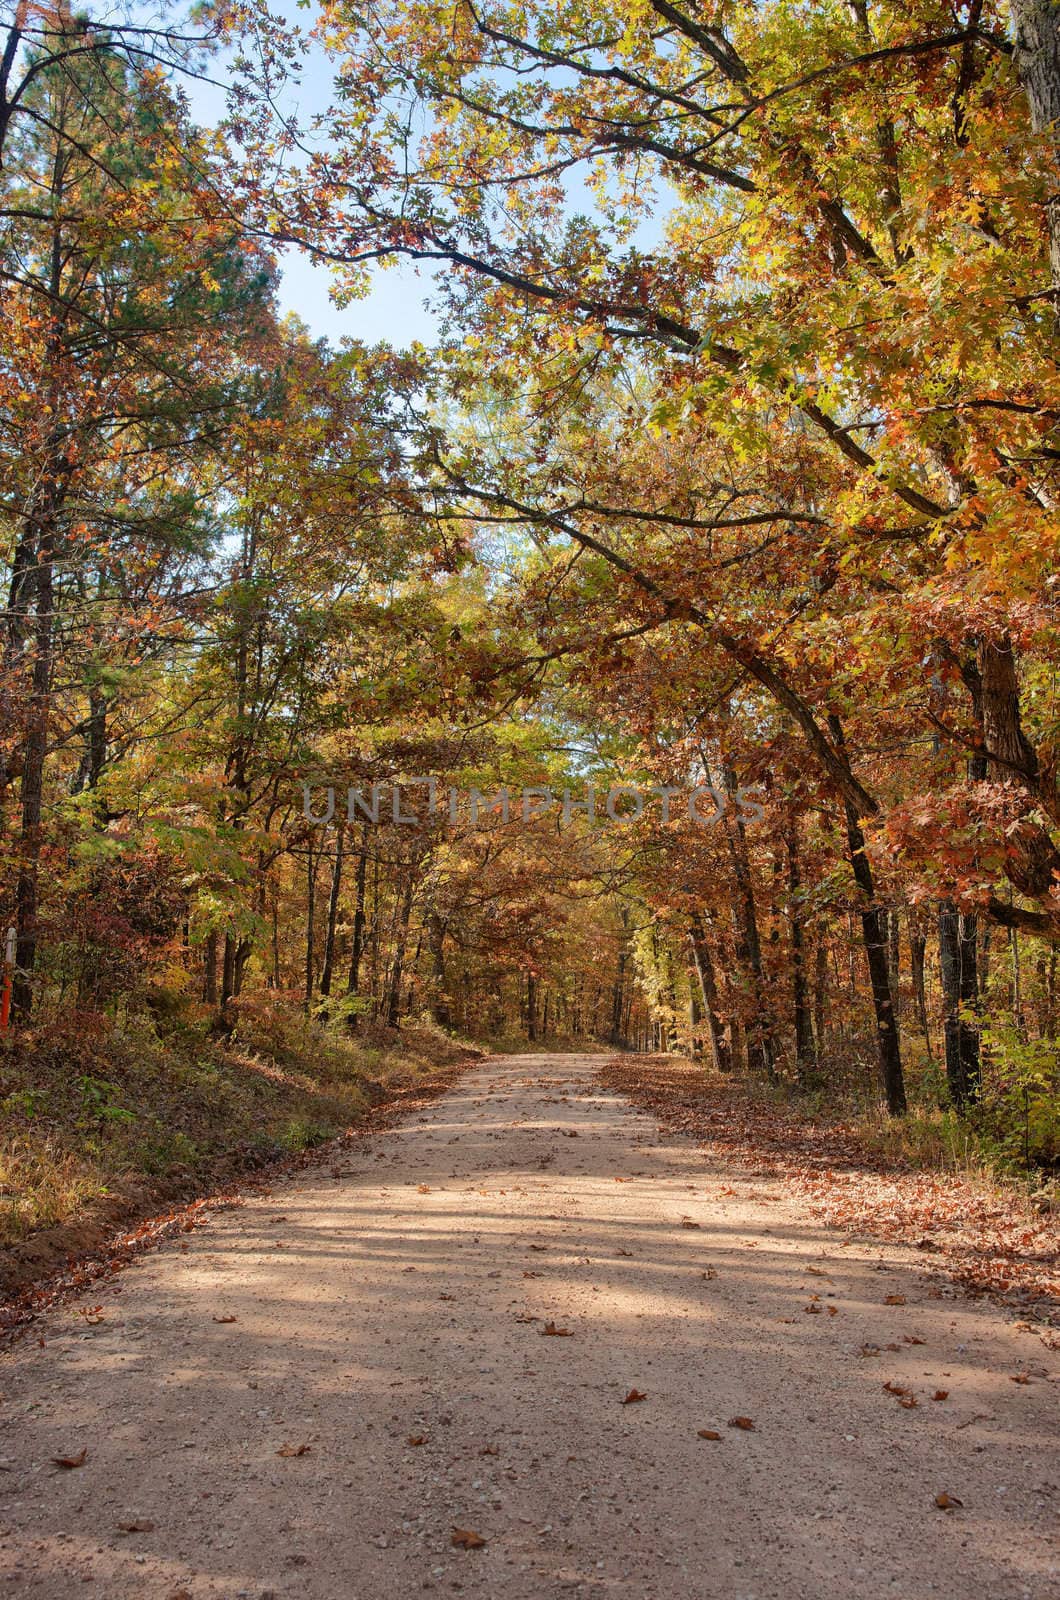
x=1036, y=32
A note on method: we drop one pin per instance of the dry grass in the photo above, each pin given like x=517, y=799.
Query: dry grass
x=100, y=1122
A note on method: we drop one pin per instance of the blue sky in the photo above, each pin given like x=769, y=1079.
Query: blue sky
x=394, y=309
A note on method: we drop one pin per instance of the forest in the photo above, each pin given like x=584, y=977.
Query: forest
x=529, y=799
x=732, y=471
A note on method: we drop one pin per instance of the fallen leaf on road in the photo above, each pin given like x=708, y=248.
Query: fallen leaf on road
x=947, y=1502
x=633, y=1396
x=941, y=1394
x=707, y=1433
x=416, y=1438
x=467, y=1539
x=423, y=1188
x=1020, y=1377
x=742, y=1422
x=686, y=1222
x=71, y=1461
x=490, y=1450
x=894, y=1299
x=224, y=1319
x=293, y=1450
x=552, y=1331
x=136, y=1527
x=622, y=1252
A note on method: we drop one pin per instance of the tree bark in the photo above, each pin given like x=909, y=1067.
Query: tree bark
x=354, y=978
x=704, y=964
x=333, y=915
x=804, y=1048
x=874, y=935
x=1036, y=32
x=958, y=949
x=397, y=971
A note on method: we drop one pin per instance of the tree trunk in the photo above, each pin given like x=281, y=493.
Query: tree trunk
x=441, y=1008
x=804, y=1049
x=531, y=1007
x=759, y=1031
x=820, y=995
x=1036, y=31
x=397, y=973
x=333, y=915
x=708, y=985
x=917, y=950
x=209, y=969
x=35, y=751
x=354, y=978
x=960, y=995
x=874, y=935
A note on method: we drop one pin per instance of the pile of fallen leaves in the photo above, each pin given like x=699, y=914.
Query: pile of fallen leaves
x=986, y=1238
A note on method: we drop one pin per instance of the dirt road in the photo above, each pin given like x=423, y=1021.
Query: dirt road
x=393, y=1321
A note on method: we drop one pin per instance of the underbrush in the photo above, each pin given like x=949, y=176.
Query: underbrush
x=102, y=1114
x=1012, y=1134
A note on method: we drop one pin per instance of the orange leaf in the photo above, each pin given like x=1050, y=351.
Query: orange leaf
x=707, y=1433
x=947, y=1502
x=633, y=1396
x=466, y=1539
x=742, y=1422
x=556, y=1333
x=71, y=1461
x=941, y=1394
x=224, y=1319
x=293, y=1450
